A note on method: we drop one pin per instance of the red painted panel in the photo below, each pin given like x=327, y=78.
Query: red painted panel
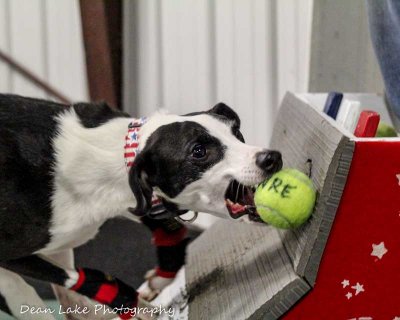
x=369, y=213
x=367, y=124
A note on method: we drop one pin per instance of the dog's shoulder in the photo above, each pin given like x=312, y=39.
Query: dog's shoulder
x=27, y=126
x=92, y=115
x=17, y=109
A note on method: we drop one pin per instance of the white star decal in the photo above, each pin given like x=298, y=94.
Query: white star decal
x=378, y=250
x=349, y=295
x=359, y=288
x=398, y=177
x=345, y=283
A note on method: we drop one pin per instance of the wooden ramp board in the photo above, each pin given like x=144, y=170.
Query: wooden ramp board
x=234, y=268
x=239, y=271
x=310, y=141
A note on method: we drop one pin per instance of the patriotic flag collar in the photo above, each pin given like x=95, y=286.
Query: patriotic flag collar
x=131, y=149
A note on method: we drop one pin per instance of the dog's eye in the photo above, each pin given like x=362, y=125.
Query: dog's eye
x=199, y=151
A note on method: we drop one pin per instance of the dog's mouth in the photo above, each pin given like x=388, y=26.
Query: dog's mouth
x=239, y=200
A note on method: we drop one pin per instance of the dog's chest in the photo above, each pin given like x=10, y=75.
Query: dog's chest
x=90, y=181
x=72, y=239
x=75, y=221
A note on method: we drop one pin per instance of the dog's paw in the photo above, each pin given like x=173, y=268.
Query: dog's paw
x=145, y=311
x=155, y=284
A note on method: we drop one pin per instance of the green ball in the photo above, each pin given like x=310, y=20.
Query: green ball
x=384, y=130
x=286, y=200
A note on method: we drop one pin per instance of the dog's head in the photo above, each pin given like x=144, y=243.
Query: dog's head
x=200, y=162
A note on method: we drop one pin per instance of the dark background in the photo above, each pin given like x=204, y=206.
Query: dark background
x=122, y=248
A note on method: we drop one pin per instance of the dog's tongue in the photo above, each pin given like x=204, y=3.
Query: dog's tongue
x=237, y=208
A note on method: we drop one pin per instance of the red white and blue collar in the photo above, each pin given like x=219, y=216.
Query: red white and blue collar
x=131, y=149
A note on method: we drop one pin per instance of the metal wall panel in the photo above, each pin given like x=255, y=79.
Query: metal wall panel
x=342, y=57
x=5, y=81
x=188, y=55
x=45, y=37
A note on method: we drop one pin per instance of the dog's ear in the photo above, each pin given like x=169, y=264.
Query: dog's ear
x=223, y=110
x=140, y=186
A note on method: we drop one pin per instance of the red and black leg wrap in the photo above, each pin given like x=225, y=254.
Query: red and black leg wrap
x=169, y=237
x=106, y=290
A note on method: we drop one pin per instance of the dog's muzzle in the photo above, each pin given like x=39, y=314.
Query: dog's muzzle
x=269, y=161
x=239, y=199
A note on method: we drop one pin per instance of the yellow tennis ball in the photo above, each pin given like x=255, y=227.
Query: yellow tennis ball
x=384, y=130
x=286, y=200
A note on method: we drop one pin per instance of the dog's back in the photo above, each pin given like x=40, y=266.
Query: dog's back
x=27, y=129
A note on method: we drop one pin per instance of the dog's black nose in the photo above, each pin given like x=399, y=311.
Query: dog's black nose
x=269, y=161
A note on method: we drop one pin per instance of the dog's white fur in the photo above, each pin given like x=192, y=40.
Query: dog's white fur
x=92, y=186
x=91, y=183
x=207, y=194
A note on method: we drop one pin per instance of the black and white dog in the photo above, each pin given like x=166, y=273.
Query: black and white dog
x=63, y=174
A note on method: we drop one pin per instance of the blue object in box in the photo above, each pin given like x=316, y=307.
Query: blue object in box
x=332, y=104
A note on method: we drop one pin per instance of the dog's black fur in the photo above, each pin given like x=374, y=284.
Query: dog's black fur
x=166, y=169
x=170, y=171
x=26, y=157
x=27, y=127
x=223, y=113
x=3, y=305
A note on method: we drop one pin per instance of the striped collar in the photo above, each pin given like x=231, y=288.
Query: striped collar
x=131, y=148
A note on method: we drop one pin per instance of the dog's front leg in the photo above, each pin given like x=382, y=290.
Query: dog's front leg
x=17, y=298
x=68, y=298
x=88, y=282
x=169, y=237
